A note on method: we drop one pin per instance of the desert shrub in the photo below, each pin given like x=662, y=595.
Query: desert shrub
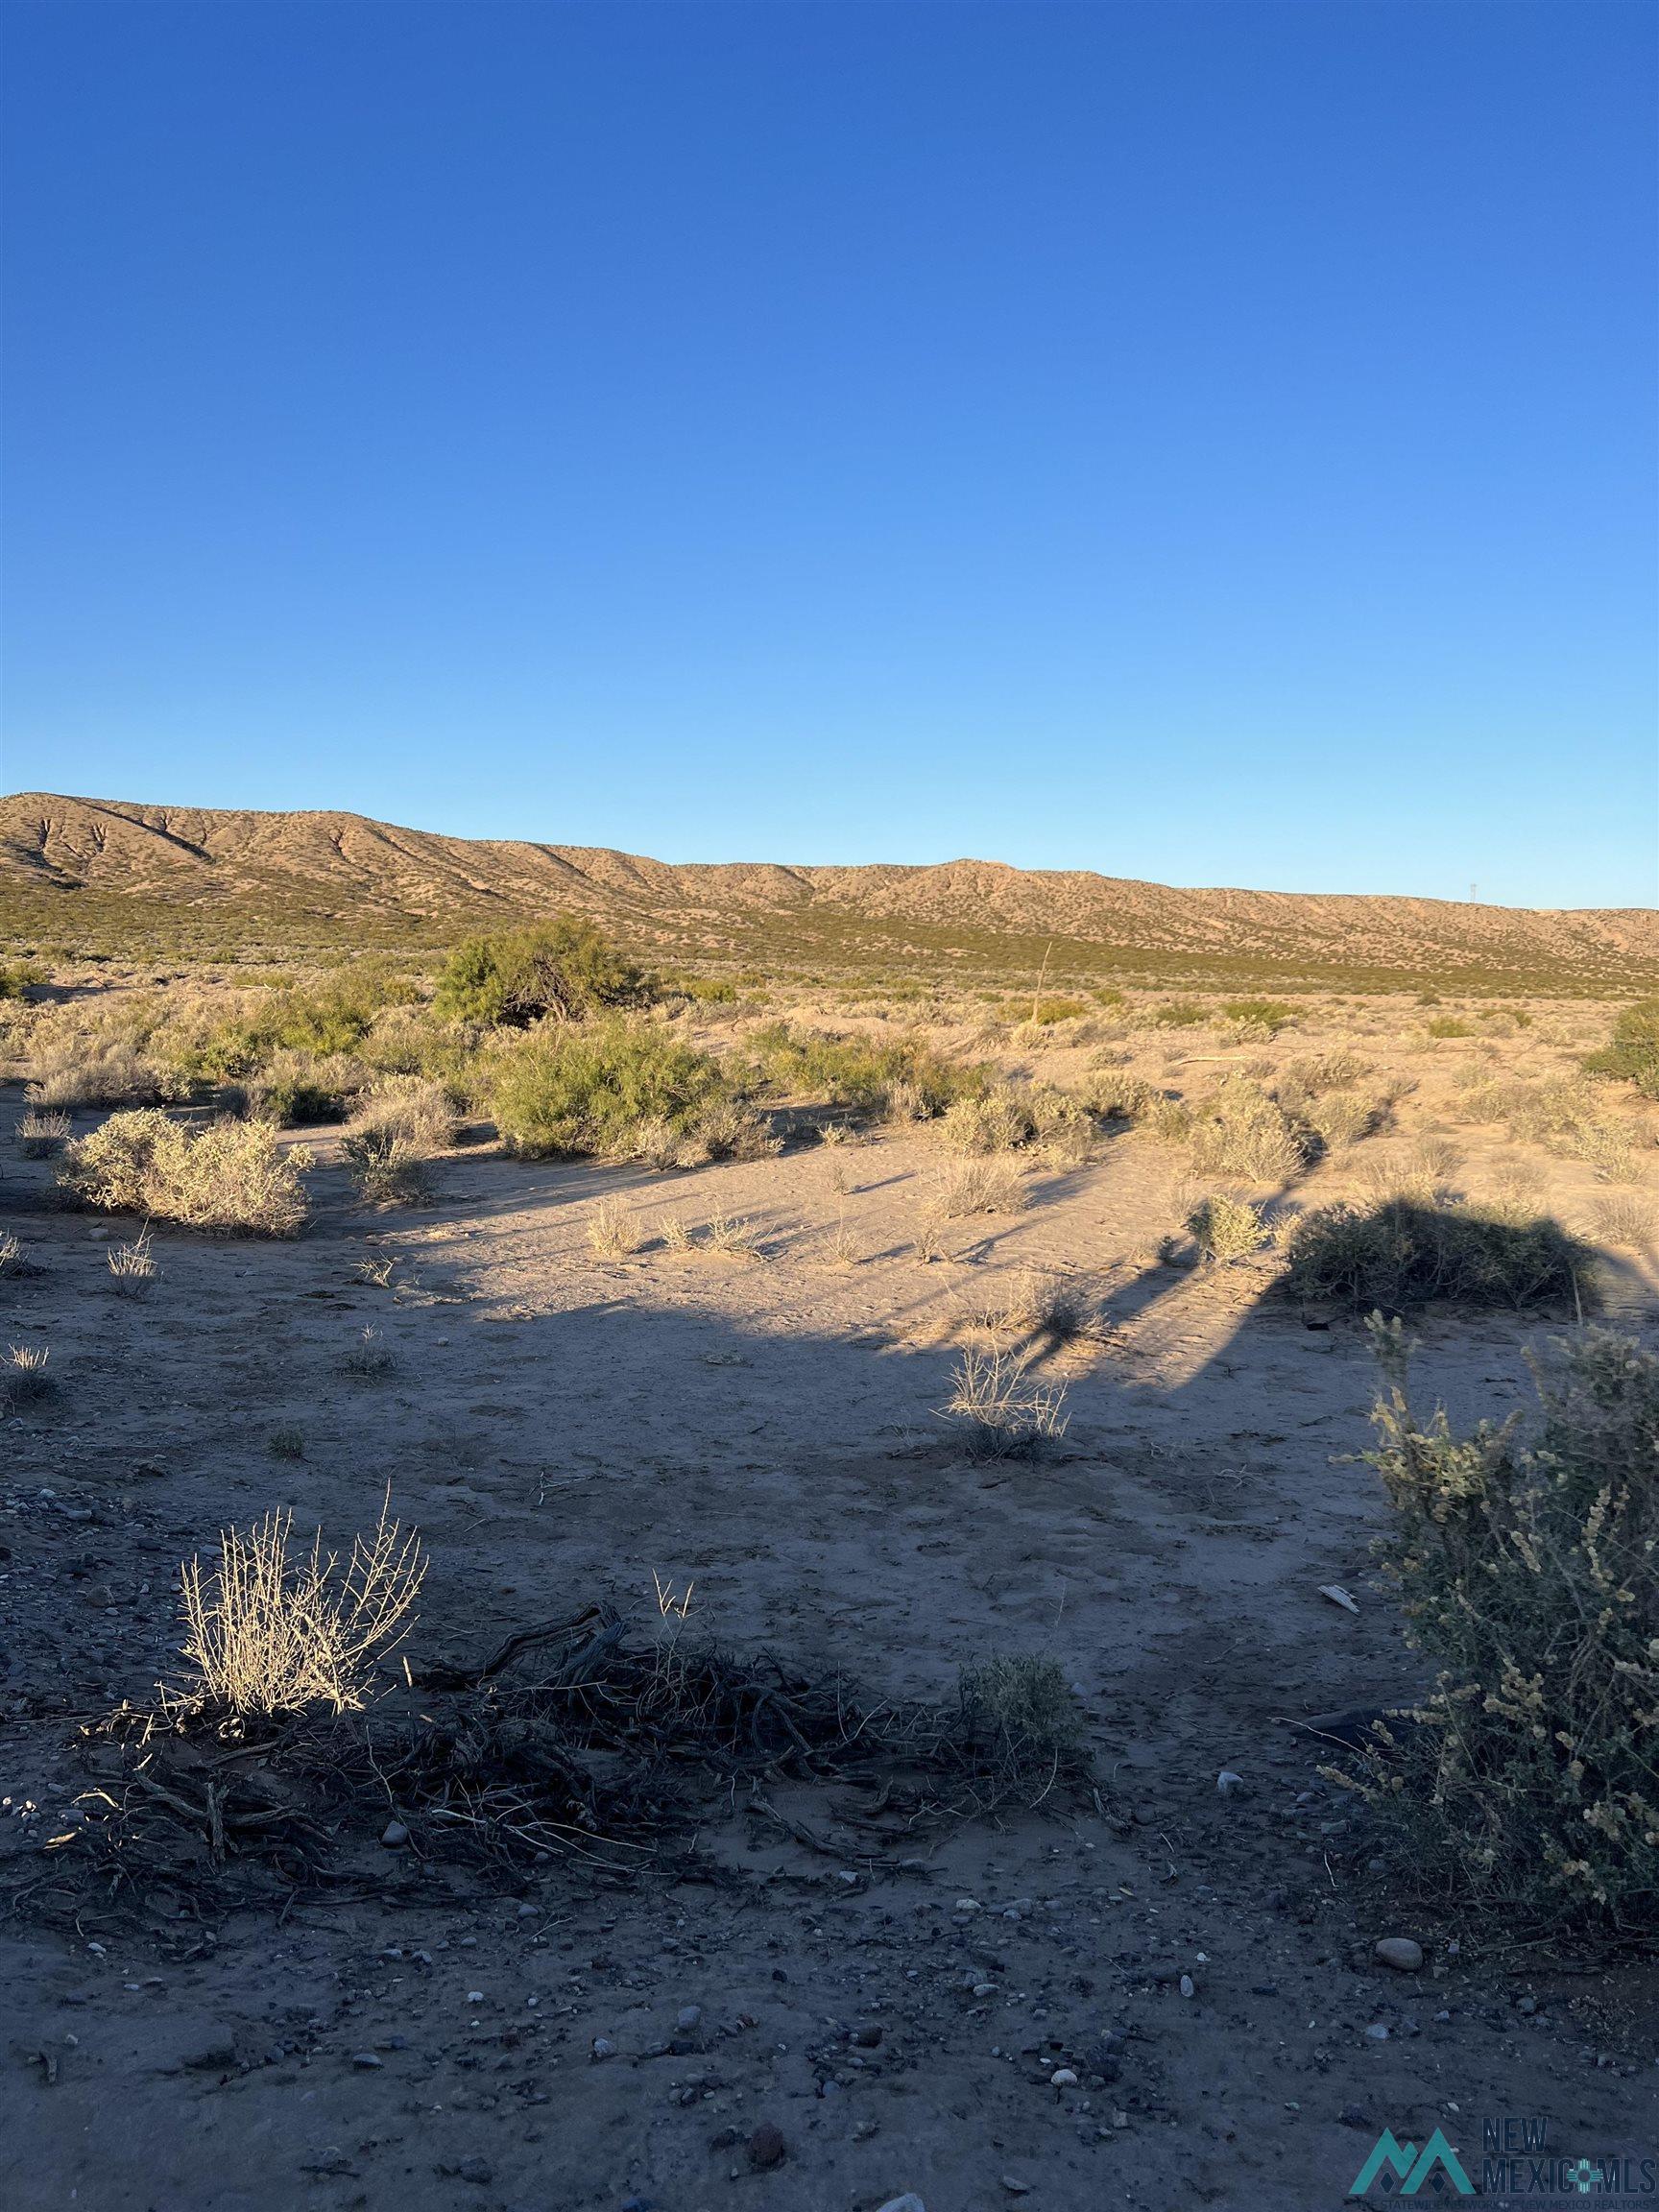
x=1311, y=1076
x=559, y=971
x=1007, y=1117
x=1342, y=1118
x=386, y=1170
x=608, y=1088
x=225, y=1175
x=40, y=1134
x=25, y=1375
x=1046, y=1012
x=979, y=1187
x=1402, y=1253
x=731, y=1237
x=855, y=1072
x=412, y=1107
x=303, y=1087
x=133, y=1269
x=1037, y=1303
x=71, y=1071
x=368, y=1355
x=611, y=1231
x=1002, y=1407
x=271, y=1630
x=1448, y=1025
x=19, y=978
x=12, y=1258
x=1020, y=1714
x=1564, y=1113
x=1113, y=1095
x=1241, y=1131
x=1624, y=1221
x=1176, y=1014
x=291, y=1022
x=1528, y=1568
x=1258, y=1017
x=1170, y=1120
x=1226, y=1229
x=1632, y=1052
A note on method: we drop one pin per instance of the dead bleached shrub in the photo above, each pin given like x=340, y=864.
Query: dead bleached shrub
x=1528, y=1568
x=986, y=1186
x=1004, y=1409
x=40, y=1133
x=231, y=1176
x=11, y=1260
x=272, y=1630
x=1226, y=1228
x=612, y=1233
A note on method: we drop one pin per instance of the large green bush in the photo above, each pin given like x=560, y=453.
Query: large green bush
x=1633, y=1049
x=617, y=1088
x=322, y=1019
x=1404, y=1253
x=562, y=971
x=1530, y=1571
x=858, y=1071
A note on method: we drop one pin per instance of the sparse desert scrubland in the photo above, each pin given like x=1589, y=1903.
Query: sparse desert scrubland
x=882, y=1454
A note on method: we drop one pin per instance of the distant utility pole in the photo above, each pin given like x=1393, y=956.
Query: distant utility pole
x=1474, y=894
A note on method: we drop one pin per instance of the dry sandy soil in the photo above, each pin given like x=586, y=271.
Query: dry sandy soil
x=564, y=1427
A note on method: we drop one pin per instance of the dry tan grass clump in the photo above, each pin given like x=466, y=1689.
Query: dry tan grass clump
x=41, y=1132
x=401, y=1125
x=1624, y=1223
x=11, y=1261
x=231, y=1176
x=271, y=1631
x=731, y=1237
x=988, y=1185
x=25, y=1375
x=1040, y=1304
x=133, y=1269
x=80, y=1071
x=1002, y=1408
x=612, y=1233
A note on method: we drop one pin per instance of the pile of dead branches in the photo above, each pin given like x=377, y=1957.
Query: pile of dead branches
x=578, y=1739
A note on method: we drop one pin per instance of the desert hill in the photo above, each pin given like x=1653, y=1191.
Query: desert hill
x=109, y=872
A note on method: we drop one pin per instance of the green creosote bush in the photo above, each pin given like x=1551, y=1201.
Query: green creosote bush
x=1528, y=1779
x=566, y=970
x=1632, y=1052
x=618, y=1088
x=861, y=1073
x=1405, y=1252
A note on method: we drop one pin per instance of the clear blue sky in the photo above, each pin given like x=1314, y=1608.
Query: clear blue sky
x=1212, y=442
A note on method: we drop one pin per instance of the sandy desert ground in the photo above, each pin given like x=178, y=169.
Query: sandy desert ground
x=1152, y=1993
